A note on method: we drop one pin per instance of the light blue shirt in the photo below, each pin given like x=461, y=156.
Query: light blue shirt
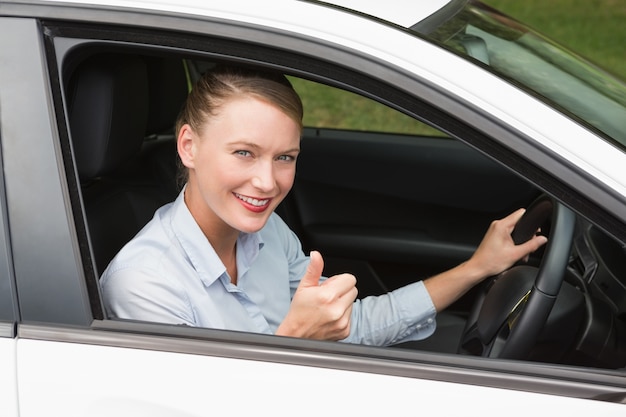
x=169, y=273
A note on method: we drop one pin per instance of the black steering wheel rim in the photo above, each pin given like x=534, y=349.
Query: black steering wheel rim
x=512, y=308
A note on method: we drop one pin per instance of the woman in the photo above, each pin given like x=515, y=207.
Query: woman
x=220, y=257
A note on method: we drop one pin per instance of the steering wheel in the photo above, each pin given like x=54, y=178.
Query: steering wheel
x=512, y=308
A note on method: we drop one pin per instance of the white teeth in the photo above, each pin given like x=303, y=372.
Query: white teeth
x=253, y=201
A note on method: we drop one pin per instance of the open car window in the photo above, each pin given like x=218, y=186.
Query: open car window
x=378, y=193
x=333, y=108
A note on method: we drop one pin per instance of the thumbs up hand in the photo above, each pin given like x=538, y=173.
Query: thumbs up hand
x=320, y=311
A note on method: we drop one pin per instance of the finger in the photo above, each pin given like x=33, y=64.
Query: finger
x=351, y=295
x=512, y=219
x=313, y=272
x=341, y=284
x=532, y=245
x=347, y=294
x=536, y=242
x=347, y=319
x=341, y=327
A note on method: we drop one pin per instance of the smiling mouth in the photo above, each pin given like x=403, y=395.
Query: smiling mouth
x=253, y=201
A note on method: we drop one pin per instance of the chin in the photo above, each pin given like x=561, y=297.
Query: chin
x=252, y=226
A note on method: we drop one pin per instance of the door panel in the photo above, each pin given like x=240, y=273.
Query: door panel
x=144, y=375
x=396, y=208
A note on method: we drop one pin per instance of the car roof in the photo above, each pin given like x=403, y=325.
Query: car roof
x=399, y=12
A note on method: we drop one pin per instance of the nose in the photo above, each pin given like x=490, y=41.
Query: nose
x=264, y=179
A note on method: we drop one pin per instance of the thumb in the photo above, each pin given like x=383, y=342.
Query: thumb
x=532, y=245
x=313, y=272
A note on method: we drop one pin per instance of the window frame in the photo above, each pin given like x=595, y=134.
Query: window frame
x=8, y=298
x=477, y=371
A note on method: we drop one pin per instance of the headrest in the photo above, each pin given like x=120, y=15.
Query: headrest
x=168, y=92
x=108, y=112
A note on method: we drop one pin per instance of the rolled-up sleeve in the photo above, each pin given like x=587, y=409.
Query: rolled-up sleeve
x=403, y=315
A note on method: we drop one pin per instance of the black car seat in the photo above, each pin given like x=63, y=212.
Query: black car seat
x=109, y=105
x=168, y=90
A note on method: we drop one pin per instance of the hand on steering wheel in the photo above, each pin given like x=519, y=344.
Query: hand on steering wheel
x=509, y=314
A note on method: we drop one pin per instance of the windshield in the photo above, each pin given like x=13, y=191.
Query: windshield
x=538, y=65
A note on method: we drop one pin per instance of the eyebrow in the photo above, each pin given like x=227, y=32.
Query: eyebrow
x=255, y=146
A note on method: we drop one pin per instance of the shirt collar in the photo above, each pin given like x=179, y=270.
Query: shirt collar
x=199, y=251
x=248, y=247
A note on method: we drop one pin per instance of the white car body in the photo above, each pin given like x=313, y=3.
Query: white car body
x=75, y=372
x=208, y=384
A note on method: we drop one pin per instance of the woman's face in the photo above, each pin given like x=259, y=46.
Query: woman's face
x=241, y=166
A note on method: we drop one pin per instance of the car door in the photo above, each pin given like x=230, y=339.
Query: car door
x=180, y=377
x=74, y=361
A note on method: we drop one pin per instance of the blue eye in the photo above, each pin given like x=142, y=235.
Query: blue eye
x=243, y=153
x=287, y=158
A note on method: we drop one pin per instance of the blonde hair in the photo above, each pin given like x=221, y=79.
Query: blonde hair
x=224, y=82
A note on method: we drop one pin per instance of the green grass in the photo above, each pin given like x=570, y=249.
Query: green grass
x=333, y=108
x=595, y=29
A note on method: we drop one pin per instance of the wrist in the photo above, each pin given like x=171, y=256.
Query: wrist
x=287, y=328
x=473, y=272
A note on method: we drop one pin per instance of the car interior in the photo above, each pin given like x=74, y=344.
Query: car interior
x=390, y=208
x=124, y=149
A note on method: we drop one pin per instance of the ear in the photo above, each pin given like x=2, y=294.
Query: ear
x=186, y=145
